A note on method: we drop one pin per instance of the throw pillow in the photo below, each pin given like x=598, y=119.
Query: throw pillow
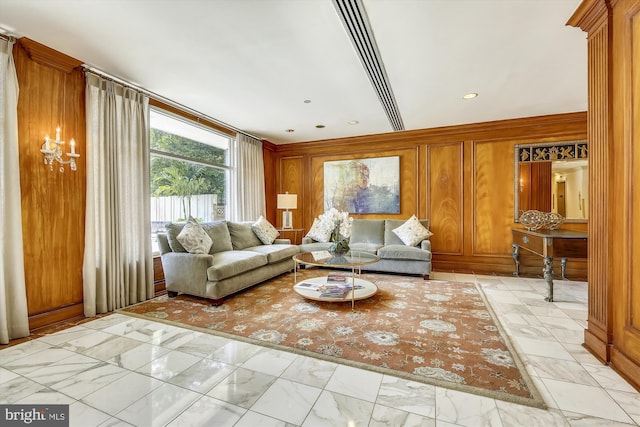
x=320, y=230
x=194, y=239
x=266, y=232
x=412, y=232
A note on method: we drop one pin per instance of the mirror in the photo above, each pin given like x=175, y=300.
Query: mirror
x=552, y=177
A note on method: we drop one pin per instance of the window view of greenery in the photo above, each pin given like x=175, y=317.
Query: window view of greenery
x=189, y=172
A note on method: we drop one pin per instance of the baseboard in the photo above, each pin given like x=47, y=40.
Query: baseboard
x=60, y=314
x=599, y=348
x=629, y=369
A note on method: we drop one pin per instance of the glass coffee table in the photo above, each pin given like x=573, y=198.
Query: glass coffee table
x=335, y=287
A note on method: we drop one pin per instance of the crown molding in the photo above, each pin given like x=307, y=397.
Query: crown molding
x=44, y=55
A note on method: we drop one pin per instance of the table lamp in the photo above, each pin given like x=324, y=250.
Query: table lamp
x=287, y=201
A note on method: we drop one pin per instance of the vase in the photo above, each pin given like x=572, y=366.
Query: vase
x=339, y=247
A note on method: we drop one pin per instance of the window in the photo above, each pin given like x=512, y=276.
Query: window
x=190, y=167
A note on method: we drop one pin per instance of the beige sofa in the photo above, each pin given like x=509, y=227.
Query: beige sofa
x=237, y=260
x=376, y=236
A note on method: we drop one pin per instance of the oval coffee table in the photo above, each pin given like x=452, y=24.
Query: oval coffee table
x=311, y=288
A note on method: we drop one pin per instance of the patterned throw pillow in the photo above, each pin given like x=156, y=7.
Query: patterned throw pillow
x=194, y=239
x=320, y=230
x=266, y=232
x=412, y=232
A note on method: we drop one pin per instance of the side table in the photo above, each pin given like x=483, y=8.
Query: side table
x=295, y=232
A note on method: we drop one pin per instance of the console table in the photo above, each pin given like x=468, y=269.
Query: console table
x=549, y=244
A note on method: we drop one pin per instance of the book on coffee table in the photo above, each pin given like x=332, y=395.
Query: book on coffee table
x=336, y=278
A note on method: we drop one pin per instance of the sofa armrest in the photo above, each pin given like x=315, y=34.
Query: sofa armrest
x=306, y=240
x=426, y=245
x=282, y=242
x=184, y=271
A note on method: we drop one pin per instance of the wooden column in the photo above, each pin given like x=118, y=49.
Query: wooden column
x=613, y=332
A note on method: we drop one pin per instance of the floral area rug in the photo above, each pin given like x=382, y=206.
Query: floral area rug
x=435, y=332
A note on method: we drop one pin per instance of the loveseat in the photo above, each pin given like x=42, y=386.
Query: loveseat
x=236, y=260
x=377, y=237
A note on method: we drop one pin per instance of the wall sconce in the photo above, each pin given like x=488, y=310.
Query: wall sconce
x=287, y=201
x=52, y=150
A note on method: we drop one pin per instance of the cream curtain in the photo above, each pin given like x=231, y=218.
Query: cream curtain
x=118, y=263
x=250, y=200
x=14, y=318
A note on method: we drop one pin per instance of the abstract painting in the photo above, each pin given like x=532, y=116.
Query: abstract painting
x=363, y=186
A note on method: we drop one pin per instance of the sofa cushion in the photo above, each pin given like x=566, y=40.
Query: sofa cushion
x=231, y=263
x=266, y=232
x=242, y=236
x=320, y=230
x=412, y=232
x=367, y=231
x=219, y=233
x=173, y=230
x=404, y=252
x=193, y=238
x=391, y=238
x=276, y=253
x=364, y=247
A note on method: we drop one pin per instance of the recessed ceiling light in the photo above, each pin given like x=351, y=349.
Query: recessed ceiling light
x=353, y=122
x=307, y=101
x=319, y=126
x=289, y=130
x=470, y=96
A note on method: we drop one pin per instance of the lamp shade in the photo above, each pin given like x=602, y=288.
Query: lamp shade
x=287, y=201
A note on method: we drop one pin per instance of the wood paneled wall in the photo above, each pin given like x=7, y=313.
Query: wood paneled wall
x=53, y=203
x=459, y=177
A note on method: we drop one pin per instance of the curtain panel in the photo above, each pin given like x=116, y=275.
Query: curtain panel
x=14, y=317
x=250, y=200
x=118, y=262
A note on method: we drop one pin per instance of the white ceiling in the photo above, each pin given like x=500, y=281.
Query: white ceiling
x=253, y=63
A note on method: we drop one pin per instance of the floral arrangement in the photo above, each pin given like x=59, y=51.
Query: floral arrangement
x=333, y=226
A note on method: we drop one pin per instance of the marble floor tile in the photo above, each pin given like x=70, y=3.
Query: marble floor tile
x=21, y=350
x=138, y=356
x=513, y=415
x=629, y=401
x=121, y=393
x=168, y=366
x=159, y=407
x=287, y=400
x=62, y=369
x=270, y=362
x=587, y=400
x=203, y=345
x=534, y=347
x=89, y=380
x=310, y=371
x=66, y=335
x=235, y=353
x=608, y=378
x=564, y=370
x=333, y=409
x=355, y=382
x=34, y=361
x=409, y=396
x=582, y=420
x=203, y=375
x=466, y=409
x=17, y=389
x=253, y=419
x=383, y=416
x=242, y=387
x=81, y=415
x=208, y=412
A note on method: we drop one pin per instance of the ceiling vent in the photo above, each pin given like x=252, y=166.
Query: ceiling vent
x=354, y=18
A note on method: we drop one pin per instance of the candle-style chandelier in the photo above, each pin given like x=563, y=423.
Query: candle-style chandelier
x=52, y=151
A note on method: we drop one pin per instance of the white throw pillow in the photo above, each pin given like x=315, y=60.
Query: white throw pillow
x=412, y=232
x=194, y=239
x=320, y=230
x=266, y=232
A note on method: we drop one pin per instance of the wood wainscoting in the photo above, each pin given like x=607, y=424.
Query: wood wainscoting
x=461, y=178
